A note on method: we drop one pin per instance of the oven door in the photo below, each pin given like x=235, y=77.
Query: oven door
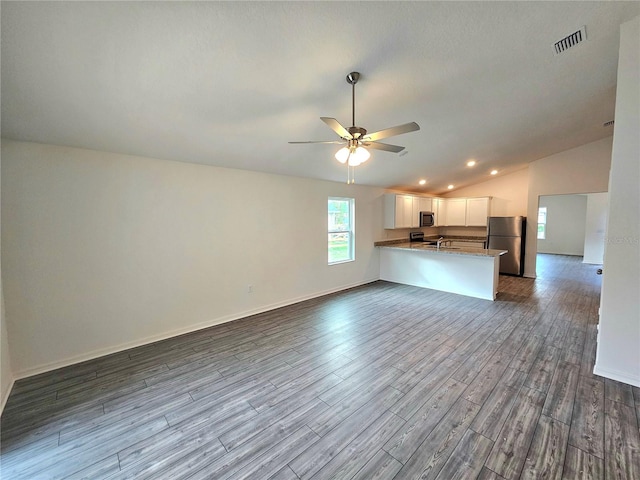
x=426, y=219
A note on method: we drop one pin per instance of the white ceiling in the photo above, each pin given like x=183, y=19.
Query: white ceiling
x=229, y=84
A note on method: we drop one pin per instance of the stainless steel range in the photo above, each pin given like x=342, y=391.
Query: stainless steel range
x=419, y=237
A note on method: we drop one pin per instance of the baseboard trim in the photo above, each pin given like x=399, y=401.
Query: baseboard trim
x=616, y=375
x=30, y=372
x=5, y=395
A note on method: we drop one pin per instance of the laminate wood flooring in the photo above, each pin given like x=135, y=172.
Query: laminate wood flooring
x=383, y=381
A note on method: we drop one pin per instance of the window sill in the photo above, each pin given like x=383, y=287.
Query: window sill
x=341, y=262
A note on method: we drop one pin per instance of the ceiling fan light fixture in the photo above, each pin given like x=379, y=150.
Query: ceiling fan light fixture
x=361, y=155
x=342, y=154
x=354, y=155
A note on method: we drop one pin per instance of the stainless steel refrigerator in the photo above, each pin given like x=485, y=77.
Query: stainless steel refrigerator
x=508, y=233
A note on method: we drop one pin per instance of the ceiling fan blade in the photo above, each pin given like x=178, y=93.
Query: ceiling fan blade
x=383, y=146
x=331, y=141
x=336, y=127
x=390, y=132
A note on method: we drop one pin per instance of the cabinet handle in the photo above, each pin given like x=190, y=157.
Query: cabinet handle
x=599, y=271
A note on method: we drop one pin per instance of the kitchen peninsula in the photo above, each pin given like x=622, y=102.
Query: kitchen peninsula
x=465, y=271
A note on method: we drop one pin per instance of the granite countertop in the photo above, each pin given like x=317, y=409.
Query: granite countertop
x=447, y=238
x=456, y=238
x=477, y=252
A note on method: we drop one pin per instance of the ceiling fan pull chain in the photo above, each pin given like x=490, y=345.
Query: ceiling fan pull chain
x=351, y=175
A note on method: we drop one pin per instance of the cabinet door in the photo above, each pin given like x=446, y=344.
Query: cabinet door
x=439, y=211
x=456, y=211
x=477, y=212
x=419, y=204
x=407, y=212
x=424, y=204
x=389, y=210
x=403, y=211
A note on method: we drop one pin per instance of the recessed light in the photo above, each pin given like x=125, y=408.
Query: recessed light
x=494, y=172
x=422, y=182
x=450, y=187
x=471, y=163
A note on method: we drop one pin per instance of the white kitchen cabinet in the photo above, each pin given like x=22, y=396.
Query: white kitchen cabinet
x=456, y=211
x=398, y=211
x=423, y=204
x=477, y=211
x=407, y=212
x=439, y=211
x=403, y=211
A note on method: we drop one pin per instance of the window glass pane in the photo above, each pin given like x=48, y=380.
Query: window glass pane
x=339, y=247
x=340, y=230
x=339, y=215
x=542, y=223
x=542, y=215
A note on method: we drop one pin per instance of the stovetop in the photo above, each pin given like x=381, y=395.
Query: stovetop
x=419, y=237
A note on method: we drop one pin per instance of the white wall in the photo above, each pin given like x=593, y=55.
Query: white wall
x=583, y=169
x=509, y=198
x=595, y=227
x=618, y=354
x=509, y=193
x=6, y=373
x=566, y=219
x=103, y=251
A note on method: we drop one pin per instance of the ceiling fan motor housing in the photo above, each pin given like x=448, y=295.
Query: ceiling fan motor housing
x=357, y=132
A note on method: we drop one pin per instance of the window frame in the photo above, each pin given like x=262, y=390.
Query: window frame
x=350, y=231
x=542, y=234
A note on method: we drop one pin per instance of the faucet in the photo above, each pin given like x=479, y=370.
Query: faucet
x=439, y=242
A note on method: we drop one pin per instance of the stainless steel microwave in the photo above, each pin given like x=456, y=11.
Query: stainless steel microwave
x=426, y=219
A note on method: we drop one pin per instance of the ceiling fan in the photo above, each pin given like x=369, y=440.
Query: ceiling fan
x=356, y=138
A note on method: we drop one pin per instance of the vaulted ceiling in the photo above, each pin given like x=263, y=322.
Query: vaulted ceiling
x=230, y=83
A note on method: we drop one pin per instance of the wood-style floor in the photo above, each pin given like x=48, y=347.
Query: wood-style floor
x=384, y=381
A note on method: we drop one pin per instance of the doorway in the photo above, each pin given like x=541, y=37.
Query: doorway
x=573, y=224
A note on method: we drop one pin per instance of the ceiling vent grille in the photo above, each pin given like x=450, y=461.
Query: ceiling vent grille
x=570, y=41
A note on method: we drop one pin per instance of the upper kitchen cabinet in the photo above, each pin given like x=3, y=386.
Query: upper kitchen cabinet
x=477, y=211
x=456, y=212
x=422, y=204
x=398, y=211
x=440, y=211
x=463, y=212
x=403, y=211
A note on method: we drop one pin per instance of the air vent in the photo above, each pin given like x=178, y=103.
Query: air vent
x=570, y=41
x=608, y=124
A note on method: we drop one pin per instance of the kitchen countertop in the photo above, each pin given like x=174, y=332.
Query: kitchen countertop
x=456, y=238
x=447, y=238
x=418, y=246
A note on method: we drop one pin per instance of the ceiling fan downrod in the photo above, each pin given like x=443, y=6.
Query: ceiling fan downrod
x=352, y=79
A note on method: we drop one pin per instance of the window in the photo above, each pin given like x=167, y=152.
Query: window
x=542, y=223
x=341, y=230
